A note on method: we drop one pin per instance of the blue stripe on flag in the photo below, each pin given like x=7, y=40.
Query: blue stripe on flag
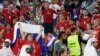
x=17, y=35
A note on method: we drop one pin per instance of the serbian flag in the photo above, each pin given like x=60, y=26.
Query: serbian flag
x=50, y=39
x=27, y=28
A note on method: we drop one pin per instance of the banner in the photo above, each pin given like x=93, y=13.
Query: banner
x=28, y=28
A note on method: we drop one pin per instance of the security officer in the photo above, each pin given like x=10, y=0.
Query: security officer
x=74, y=43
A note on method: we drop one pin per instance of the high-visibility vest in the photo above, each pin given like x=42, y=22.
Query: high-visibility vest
x=73, y=45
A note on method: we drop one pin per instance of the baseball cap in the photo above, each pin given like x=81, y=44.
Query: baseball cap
x=8, y=40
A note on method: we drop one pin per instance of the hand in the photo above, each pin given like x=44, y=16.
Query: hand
x=41, y=28
x=19, y=24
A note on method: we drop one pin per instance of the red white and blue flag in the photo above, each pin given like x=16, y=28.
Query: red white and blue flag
x=50, y=39
x=27, y=28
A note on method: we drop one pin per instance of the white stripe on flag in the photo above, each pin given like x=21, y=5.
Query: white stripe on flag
x=51, y=40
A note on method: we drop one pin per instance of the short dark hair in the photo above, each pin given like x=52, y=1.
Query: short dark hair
x=45, y=2
x=60, y=35
x=61, y=52
x=73, y=29
x=28, y=35
x=81, y=28
x=29, y=49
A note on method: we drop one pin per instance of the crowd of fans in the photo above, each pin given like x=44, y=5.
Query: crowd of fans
x=63, y=18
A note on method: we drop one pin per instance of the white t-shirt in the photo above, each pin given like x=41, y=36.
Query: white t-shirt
x=6, y=52
x=55, y=7
x=91, y=52
x=23, y=51
x=85, y=36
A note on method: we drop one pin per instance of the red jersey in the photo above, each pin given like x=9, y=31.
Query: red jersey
x=64, y=24
x=19, y=43
x=59, y=25
x=24, y=10
x=9, y=16
x=96, y=16
x=16, y=47
x=66, y=14
x=8, y=35
x=96, y=34
x=16, y=11
x=84, y=21
x=48, y=15
x=60, y=3
x=4, y=10
x=1, y=42
x=37, y=48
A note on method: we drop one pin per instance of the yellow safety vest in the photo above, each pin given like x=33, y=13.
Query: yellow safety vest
x=73, y=45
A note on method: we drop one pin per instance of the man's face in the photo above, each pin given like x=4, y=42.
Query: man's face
x=77, y=23
x=10, y=8
x=61, y=17
x=64, y=36
x=79, y=30
x=95, y=23
x=96, y=10
x=64, y=54
x=7, y=44
x=88, y=26
x=14, y=2
x=85, y=13
x=95, y=44
x=28, y=50
x=54, y=1
x=61, y=29
x=21, y=18
x=8, y=27
x=6, y=3
x=31, y=16
x=46, y=5
x=30, y=38
x=22, y=3
x=76, y=2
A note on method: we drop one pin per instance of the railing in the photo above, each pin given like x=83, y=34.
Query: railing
x=91, y=5
x=90, y=2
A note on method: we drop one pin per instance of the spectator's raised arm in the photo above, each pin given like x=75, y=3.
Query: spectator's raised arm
x=39, y=35
x=22, y=33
